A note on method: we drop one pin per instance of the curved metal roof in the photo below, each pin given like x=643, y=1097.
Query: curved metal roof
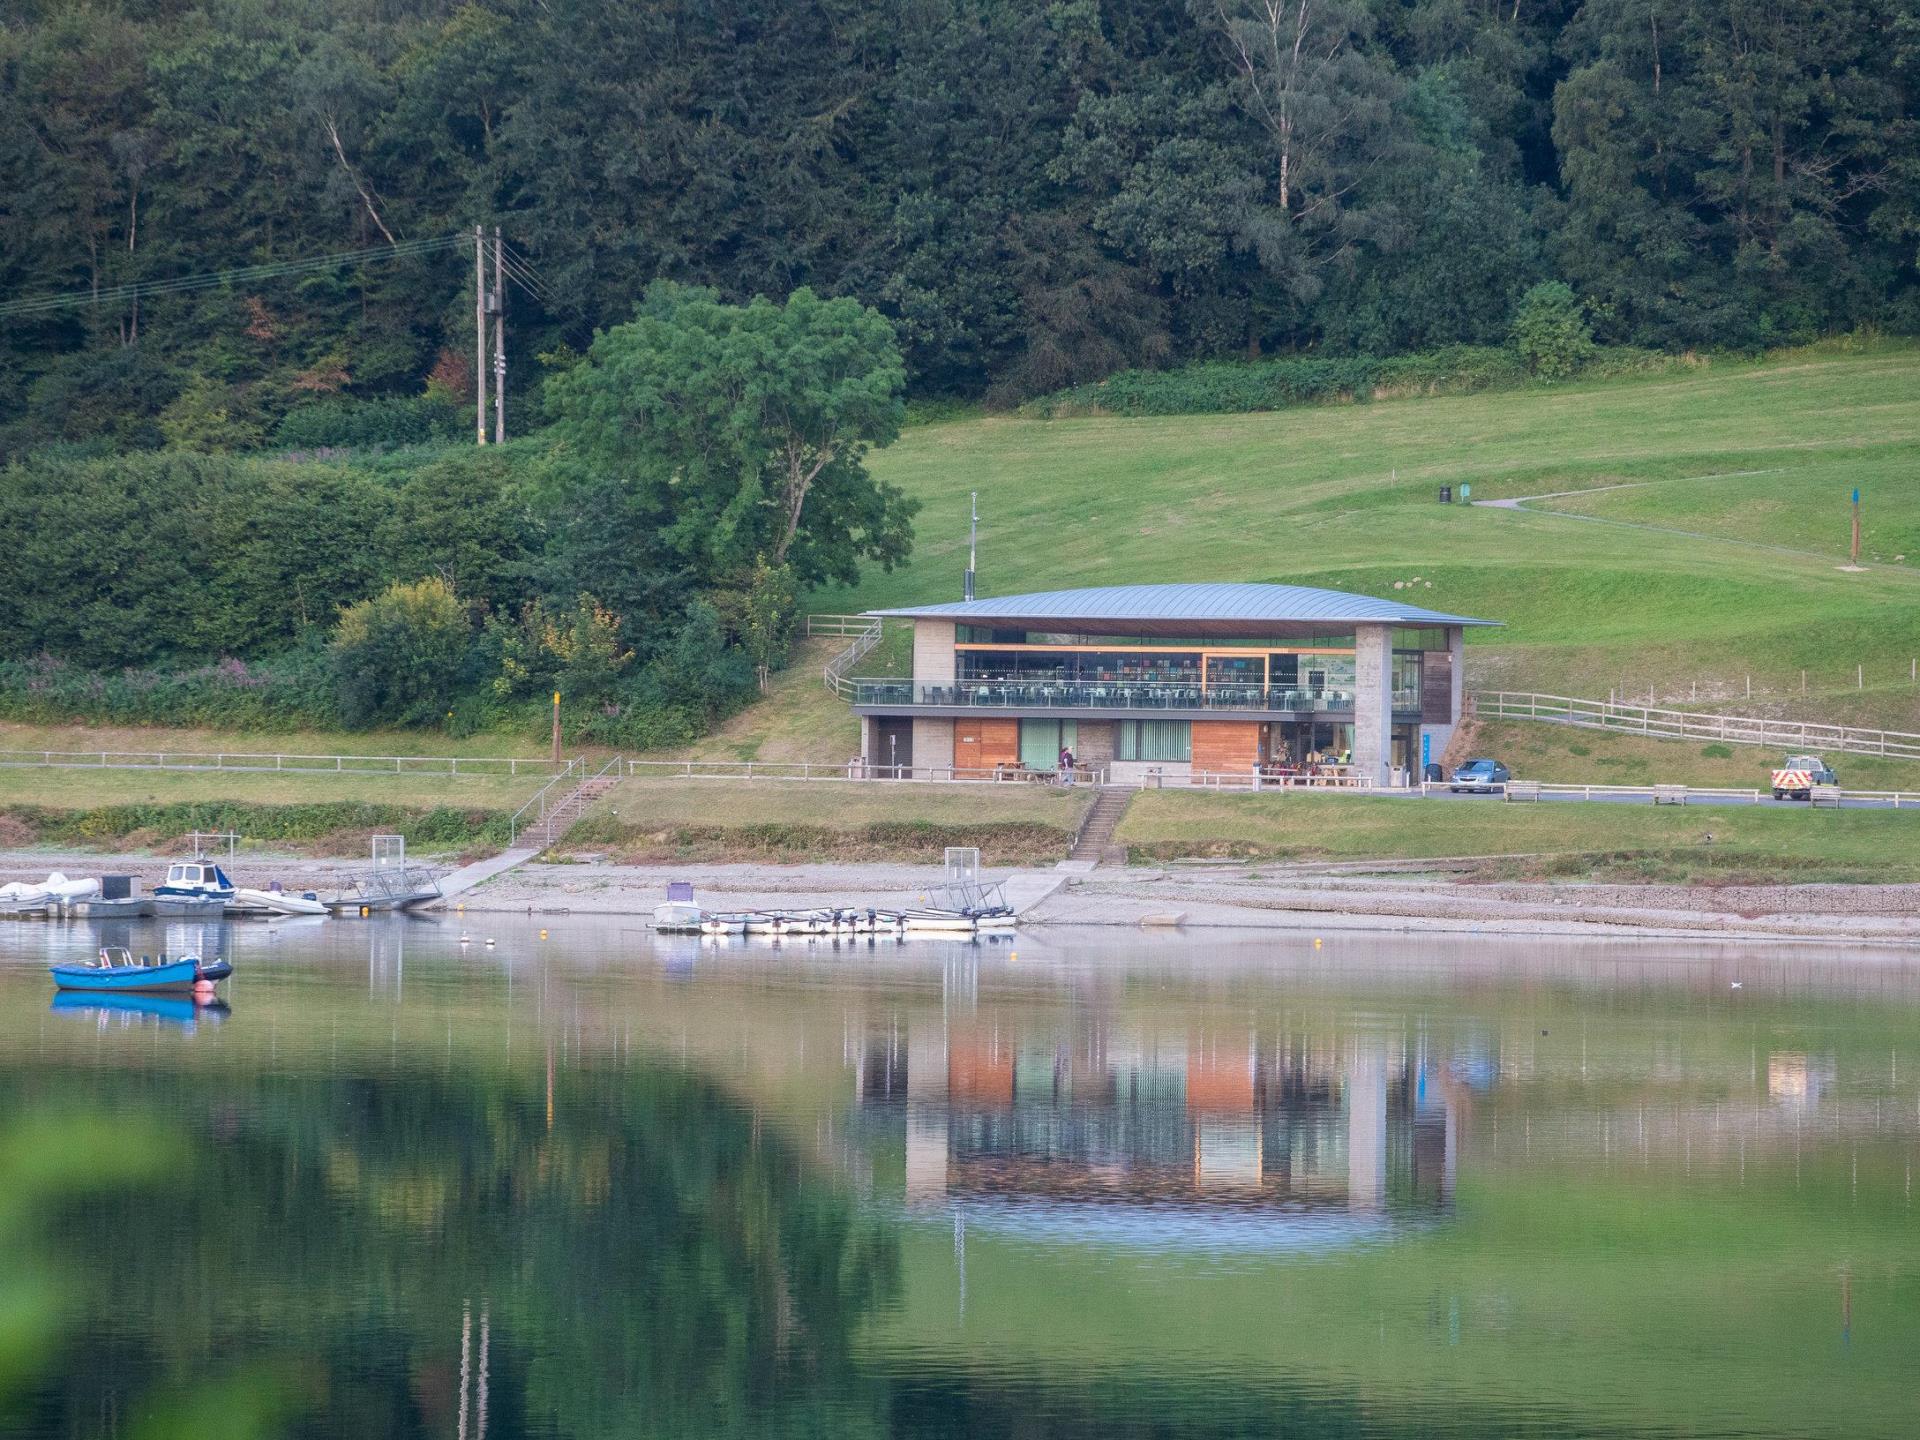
x=1225, y=602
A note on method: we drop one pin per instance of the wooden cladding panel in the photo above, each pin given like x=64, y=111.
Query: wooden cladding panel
x=980, y=745
x=1436, y=688
x=1226, y=746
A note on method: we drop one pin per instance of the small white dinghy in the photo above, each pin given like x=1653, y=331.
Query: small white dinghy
x=280, y=902
x=955, y=922
x=723, y=925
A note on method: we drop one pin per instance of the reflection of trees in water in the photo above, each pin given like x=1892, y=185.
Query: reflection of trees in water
x=649, y=1259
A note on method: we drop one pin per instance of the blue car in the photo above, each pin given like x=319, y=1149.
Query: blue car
x=1481, y=776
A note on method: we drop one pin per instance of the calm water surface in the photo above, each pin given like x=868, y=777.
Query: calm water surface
x=586, y=1183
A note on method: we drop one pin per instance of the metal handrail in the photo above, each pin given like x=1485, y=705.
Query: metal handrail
x=1139, y=695
x=835, y=670
x=1660, y=723
x=540, y=799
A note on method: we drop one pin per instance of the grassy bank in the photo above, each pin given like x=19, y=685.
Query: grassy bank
x=1705, y=843
x=654, y=820
x=1345, y=497
x=332, y=828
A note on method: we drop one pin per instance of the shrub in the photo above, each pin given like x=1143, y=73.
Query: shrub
x=1237, y=388
x=397, y=657
x=288, y=692
x=380, y=422
x=1550, y=331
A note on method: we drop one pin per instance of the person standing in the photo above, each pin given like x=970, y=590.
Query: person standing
x=1066, y=766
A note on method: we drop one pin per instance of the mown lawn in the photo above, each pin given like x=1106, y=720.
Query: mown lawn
x=1564, y=755
x=83, y=788
x=1694, y=841
x=1346, y=497
x=842, y=805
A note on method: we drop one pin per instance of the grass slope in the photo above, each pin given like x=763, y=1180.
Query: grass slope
x=1616, y=841
x=1345, y=497
x=644, y=819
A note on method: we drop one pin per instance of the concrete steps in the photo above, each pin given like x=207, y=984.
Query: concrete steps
x=566, y=813
x=1096, y=845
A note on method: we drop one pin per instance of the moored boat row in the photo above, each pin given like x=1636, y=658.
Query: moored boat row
x=923, y=920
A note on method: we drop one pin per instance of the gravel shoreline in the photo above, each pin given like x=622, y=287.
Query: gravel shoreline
x=1238, y=897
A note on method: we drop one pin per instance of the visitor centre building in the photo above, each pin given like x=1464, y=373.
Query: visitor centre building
x=1169, y=683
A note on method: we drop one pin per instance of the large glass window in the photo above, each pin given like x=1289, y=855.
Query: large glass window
x=1240, y=670
x=1041, y=742
x=1406, y=678
x=1164, y=740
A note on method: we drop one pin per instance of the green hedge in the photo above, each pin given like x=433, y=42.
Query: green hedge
x=441, y=828
x=1243, y=387
x=383, y=423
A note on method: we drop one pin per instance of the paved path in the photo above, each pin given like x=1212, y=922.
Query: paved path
x=468, y=876
x=1696, y=802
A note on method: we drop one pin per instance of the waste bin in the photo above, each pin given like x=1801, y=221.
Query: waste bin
x=1446, y=494
x=1432, y=772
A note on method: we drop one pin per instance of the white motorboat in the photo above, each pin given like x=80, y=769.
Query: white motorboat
x=679, y=915
x=194, y=880
x=22, y=897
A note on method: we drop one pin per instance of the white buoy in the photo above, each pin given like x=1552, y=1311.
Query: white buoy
x=466, y=940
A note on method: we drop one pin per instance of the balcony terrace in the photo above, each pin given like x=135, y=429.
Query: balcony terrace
x=1116, y=699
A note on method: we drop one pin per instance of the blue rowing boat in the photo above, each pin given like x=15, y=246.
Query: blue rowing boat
x=116, y=971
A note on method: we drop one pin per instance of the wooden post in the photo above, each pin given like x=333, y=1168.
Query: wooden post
x=556, y=727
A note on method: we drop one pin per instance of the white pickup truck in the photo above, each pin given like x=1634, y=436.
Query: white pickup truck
x=1796, y=778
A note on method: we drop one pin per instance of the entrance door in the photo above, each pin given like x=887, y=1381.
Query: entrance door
x=893, y=746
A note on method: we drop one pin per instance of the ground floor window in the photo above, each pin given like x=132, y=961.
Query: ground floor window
x=1304, y=742
x=1041, y=742
x=1167, y=740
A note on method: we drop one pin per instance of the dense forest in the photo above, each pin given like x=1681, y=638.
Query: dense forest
x=1035, y=194
x=742, y=235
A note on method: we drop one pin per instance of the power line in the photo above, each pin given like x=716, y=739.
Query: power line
x=245, y=274
x=528, y=278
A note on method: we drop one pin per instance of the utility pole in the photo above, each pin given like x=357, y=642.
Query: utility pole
x=499, y=344
x=480, y=334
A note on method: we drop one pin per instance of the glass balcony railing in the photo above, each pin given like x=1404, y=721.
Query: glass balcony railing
x=1063, y=695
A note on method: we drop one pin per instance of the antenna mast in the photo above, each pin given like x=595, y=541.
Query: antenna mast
x=973, y=542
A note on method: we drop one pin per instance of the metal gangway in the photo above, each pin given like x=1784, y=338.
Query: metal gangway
x=389, y=883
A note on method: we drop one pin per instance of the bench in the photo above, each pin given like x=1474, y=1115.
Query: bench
x=1523, y=790
x=1669, y=794
x=1825, y=795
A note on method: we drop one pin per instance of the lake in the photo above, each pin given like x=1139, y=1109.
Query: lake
x=586, y=1182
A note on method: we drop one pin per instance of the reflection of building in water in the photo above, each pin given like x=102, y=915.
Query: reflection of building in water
x=1106, y=1116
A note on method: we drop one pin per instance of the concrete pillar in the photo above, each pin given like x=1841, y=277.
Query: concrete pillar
x=1457, y=647
x=926, y=1112
x=1373, y=701
x=932, y=748
x=868, y=727
x=933, y=658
